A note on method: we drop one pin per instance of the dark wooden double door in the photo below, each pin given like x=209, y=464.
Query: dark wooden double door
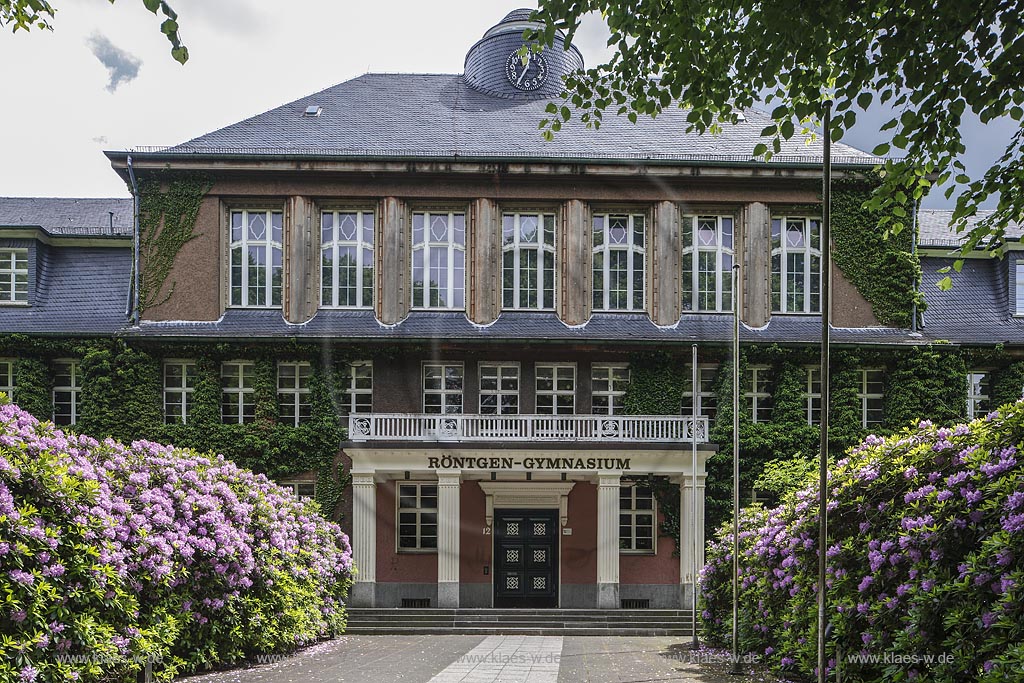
x=526, y=558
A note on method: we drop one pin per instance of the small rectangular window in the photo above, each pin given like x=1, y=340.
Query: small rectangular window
x=499, y=389
x=13, y=276
x=66, y=391
x=358, y=386
x=637, y=518
x=417, y=516
x=255, y=255
x=238, y=397
x=300, y=489
x=812, y=394
x=293, y=403
x=7, y=369
x=442, y=388
x=872, y=395
x=1018, y=307
x=758, y=395
x=556, y=389
x=608, y=384
x=179, y=386
x=979, y=392
x=707, y=399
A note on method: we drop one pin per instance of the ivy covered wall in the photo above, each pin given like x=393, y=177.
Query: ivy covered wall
x=122, y=394
x=921, y=382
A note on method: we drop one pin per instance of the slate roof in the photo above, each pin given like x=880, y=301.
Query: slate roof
x=68, y=216
x=976, y=309
x=78, y=291
x=439, y=116
x=933, y=228
x=425, y=325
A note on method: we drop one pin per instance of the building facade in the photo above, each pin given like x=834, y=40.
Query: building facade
x=485, y=306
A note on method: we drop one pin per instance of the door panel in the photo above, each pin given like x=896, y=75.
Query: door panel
x=526, y=558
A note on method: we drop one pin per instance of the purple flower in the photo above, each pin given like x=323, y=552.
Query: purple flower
x=28, y=673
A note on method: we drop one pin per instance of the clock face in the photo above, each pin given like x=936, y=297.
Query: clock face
x=529, y=76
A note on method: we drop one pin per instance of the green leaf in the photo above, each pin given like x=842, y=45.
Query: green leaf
x=881, y=150
x=945, y=284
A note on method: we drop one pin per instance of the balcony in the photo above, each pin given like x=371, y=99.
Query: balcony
x=526, y=428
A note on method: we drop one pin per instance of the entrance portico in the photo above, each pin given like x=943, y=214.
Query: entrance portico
x=479, y=501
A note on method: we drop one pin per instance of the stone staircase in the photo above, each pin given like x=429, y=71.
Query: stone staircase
x=532, y=622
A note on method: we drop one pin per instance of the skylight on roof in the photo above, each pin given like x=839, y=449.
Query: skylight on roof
x=313, y=110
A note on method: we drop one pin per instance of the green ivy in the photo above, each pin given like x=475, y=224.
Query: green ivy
x=881, y=266
x=168, y=208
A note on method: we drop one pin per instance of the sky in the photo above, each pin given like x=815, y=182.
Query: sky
x=103, y=79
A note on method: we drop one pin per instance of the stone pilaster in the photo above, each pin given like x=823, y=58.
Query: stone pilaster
x=608, y=541
x=754, y=251
x=484, y=288
x=664, y=293
x=364, y=539
x=448, y=524
x=300, y=260
x=393, y=271
x=575, y=263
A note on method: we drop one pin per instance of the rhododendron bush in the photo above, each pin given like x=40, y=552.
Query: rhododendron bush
x=925, y=561
x=119, y=559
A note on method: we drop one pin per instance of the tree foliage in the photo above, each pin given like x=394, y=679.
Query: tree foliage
x=932, y=63
x=36, y=14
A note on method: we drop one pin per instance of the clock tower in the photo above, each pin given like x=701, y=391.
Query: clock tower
x=499, y=66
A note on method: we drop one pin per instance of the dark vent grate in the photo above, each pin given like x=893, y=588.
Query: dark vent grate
x=636, y=603
x=415, y=603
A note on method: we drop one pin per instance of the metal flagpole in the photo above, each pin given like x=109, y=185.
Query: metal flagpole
x=735, y=468
x=695, y=644
x=826, y=309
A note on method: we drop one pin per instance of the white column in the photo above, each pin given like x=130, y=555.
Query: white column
x=364, y=540
x=608, y=541
x=448, y=525
x=689, y=528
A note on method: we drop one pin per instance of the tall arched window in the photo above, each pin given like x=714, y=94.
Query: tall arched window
x=796, y=265
x=619, y=250
x=346, y=259
x=707, y=263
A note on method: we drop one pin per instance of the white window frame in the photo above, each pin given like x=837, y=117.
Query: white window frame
x=758, y=396
x=605, y=372
x=454, y=248
x=418, y=510
x=628, y=518
x=8, y=372
x=73, y=390
x=332, y=246
x=354, y=373
x=783, y=250
x=183, y=391
x=297, y=396
x=636, y=255
x=447, y=395
x=725, y=230
x=810, y=395
x=871, y=375
x=1018, y=302
x=294, y=487
x=13, y=275
x=978, y=393
x=244, y=243
x=239, y=395
x=499, y=392
x=514, y=247
x=557, y=374
x=707, y=399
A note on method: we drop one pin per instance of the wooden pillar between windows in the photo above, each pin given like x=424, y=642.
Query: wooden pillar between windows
x=391, y=256
x=484, y=285
x=575, y=263
x=754, y=248
x=299, y=298
x=664, y=295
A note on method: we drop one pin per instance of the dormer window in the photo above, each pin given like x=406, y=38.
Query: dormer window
x=13, y=276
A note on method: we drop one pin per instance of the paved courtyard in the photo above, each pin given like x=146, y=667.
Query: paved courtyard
x=490, y=659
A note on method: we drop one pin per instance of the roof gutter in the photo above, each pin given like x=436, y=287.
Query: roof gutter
x=133, y=307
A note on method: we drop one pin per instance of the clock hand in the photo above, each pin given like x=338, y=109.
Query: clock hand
x=526, y=67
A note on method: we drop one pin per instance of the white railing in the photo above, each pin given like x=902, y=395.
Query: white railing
x=623, y=428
